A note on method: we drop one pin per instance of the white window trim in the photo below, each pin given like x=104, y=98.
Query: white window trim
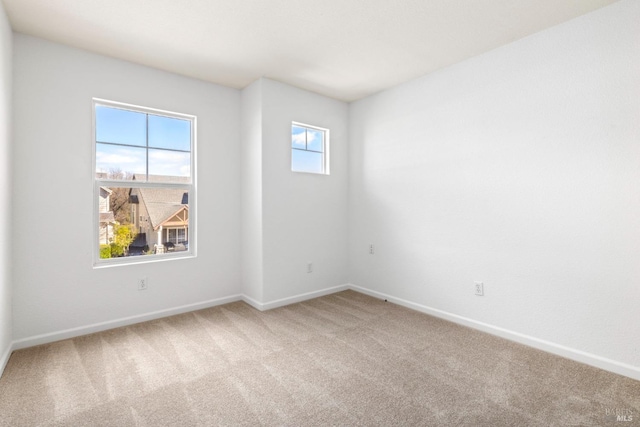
x=325, y=155
x=191, y=188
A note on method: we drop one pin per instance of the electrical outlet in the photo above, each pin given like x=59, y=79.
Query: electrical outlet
x=143, y=283
x=310, y=267
x=371, y=249
x=479, y=288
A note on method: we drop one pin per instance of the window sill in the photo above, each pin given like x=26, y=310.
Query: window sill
x=141, y=259
x=311, y=173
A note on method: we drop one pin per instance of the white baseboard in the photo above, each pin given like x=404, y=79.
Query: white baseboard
x=294, y=299
x=253, y=303
x=550, y=347
x=125, y=321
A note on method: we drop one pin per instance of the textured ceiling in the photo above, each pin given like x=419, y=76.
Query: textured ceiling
x=345, y=49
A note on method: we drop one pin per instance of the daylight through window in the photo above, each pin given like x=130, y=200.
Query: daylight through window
x=309, y=149
x=144, y=183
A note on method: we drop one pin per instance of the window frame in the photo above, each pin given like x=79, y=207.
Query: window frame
x=325, y=152
x=190, y=187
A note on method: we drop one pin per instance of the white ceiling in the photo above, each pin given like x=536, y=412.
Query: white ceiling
x=345, y=49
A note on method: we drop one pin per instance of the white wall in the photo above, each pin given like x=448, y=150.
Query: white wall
x=291, y=219
x=251, y=180
x=6, y=335
x=55, y=286
x=305, y=215
x=519, y=168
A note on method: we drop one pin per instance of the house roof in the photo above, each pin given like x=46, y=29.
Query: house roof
x=108, y=190
x=107, y=217
x=162, y=203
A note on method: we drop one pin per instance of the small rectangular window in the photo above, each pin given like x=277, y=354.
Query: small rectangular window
x=144, y=169
x=309, y=149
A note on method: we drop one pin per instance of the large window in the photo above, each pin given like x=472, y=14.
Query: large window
x=144, y=183
x=309, y=149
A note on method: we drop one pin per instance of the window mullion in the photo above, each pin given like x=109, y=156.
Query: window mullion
x=147, y=146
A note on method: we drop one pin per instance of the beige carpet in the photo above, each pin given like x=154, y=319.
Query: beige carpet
x=343, y=359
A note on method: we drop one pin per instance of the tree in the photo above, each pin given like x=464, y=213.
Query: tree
x=119, y=199
x=123, y=236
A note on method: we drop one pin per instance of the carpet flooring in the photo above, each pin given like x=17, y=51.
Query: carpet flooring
x=342, y=359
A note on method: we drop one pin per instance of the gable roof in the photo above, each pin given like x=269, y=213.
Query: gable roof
x=107, y=217
x=162, y=203
x=106, y=190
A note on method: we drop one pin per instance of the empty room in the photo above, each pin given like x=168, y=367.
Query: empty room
x=309, y=213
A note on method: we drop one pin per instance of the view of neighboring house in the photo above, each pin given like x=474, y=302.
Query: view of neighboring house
x=161, y=216
x=107, y=219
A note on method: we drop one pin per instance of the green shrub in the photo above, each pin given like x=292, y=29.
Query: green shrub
x=123, y=236
x=105, y=251
x=116, y=250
